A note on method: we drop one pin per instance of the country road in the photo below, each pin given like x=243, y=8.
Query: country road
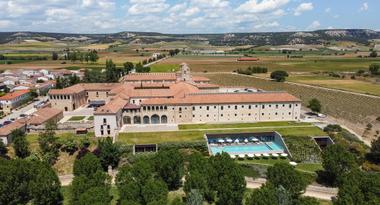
x=319, y=192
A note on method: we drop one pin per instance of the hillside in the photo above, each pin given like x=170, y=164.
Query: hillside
x=362, y=36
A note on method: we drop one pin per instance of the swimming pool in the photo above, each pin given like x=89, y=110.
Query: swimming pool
x=269, y=147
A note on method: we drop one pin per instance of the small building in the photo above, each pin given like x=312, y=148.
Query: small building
x=42, y=116
x=12, y=100
x=5, y=132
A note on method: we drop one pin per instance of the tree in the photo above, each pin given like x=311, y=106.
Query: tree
x=20, y=144
x=88, y=165
x=24, y=181
x=226, y=179
x=279, y=75
x=111, y=74
x=109, y=153
x=374, y=69
x=169, y=166
x=54, y=56
x=128, y=67
x=3, y=150
x=266, y=195
x=73, y=79
x=373, y=54
x=95, y=195
x=48, y=143
x=332, y=128
x=155, y=190
x=374, y=154
x=337, y=162
x=195, y=197
x=315, y=105
x=45, y=188
x=285, y=175
x=197, y=175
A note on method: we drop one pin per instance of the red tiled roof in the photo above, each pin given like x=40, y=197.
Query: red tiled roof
x=66, y=91
x=150, y=76
x=226, y=98
x=200, y=79
x=112, y=107
x=43, y=115
x=7, y=129
x=14, y=94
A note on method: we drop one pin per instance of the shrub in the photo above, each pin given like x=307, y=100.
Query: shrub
x=279, y=75
x=333, y=128
x=69, y=146
x=303, y=149
x=200, y=146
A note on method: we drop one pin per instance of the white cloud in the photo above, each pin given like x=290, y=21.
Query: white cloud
x=279, y=12
x=211, y=3
x=364, y=7
x=267, y=25
x=5, y=23
x=191, y=11
x=253, y=6
x=314, y=25
x=302, y=8
x=61, y=14
x=147, y=6
x=327, y=10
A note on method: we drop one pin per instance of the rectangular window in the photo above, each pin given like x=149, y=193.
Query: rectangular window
x=221, y=107
x=104, y=120
x=207, y=108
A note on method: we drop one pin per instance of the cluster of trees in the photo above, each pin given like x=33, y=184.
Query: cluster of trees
x=174, y=52
x=112, y=72
x=279, y=75
x=373, y=54
x=63, y=82
x=284, y=185
x=374, y=69
x=25, y=182
x=216, y=179
x=152, y=59
x=89, y=56
x=342, y=170
x=251, y=70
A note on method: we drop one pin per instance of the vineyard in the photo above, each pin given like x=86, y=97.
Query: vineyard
x=349, y=107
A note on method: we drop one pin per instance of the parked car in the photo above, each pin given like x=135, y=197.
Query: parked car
x=23, y=115
x=7, y=122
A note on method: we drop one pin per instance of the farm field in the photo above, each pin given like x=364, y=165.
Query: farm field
x=193, y=136
x=342, y=84
x=348, y=108
x=307, y=64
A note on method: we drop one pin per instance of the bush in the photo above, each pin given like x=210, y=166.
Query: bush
x=69, y=146
x=252, y=70
x=279, y=75
x=200, y=146
x=333, y=128
x=303, y=149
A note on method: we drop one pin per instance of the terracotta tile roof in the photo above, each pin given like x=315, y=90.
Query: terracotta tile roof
x=200, y=79
x=14, y=94
x=7, y=129
x=66, y=91
x=150, y=76
x=112, y=107
x=43, y=115
x=207, y=86
x=226, y=98
x=99, y=86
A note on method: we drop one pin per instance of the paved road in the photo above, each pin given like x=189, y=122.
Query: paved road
x=316, y=191
x=28, y=109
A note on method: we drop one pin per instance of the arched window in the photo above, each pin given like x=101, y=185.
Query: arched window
x=155, y=119
x=127, y=120
x=146, y=120
x=164, y=119
x=136, y=120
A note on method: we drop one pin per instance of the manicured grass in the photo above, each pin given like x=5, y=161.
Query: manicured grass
x=77, y=118
x=191, y=136
x=91, y=118
x=304, y=167
x=164, y=67
x=239, y=125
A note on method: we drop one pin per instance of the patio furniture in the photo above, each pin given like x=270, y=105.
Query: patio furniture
x=237, y=141
x=265, y=155
x=221, y=141
x=274, y=155
x=293, y=163
x=284, y=155
x=246, y=140
x=229, y=140
x=258, y=155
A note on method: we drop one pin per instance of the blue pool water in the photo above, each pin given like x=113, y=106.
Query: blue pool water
x=248, y=149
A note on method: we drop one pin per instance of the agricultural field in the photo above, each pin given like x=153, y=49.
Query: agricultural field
x=352, y=110
x=359, y=86
x=280, y=62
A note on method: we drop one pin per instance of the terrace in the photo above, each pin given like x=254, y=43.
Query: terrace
x=256, y=144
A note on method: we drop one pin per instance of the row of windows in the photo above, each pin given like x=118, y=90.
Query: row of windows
x=60, y=97
x=243, y=106
x=155, y=108
x=249, y=114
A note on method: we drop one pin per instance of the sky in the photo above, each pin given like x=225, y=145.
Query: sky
x=186, y=16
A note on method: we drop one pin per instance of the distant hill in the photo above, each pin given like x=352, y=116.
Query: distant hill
x=266, y=38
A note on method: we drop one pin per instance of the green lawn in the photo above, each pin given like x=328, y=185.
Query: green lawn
x=77, y=118
x=191, y=136
x=304, y=167
x=239, y=125
x=164, y=67
x=91, y=118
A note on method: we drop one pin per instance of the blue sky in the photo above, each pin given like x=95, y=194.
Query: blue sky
x=186, y=16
